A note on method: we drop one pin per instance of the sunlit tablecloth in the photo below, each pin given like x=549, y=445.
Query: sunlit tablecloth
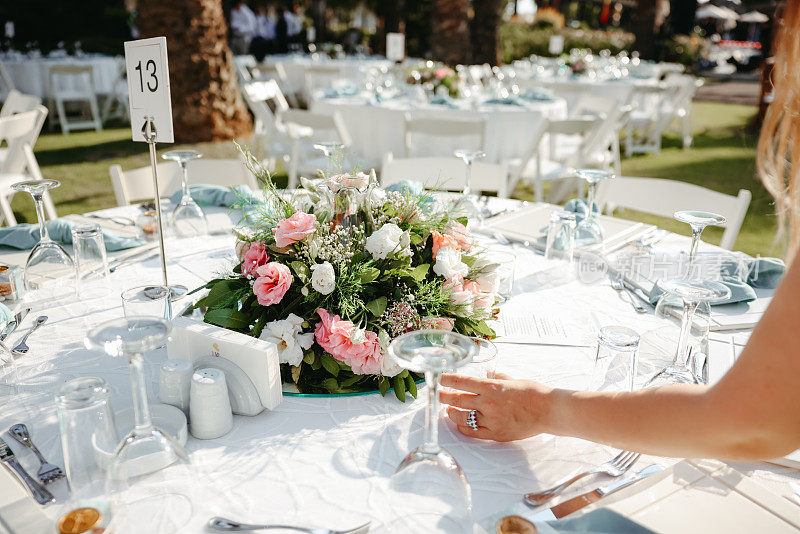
x=326, y=461
x=32, y=75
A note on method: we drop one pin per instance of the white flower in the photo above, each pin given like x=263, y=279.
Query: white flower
x=357, y=336
x=387, y=240
x=323, y=278
x=465, y=300
x=285, y=333
x=389, y=366
x=449, y=264
x=489, y=280
x=377, y=197
x=313, y=246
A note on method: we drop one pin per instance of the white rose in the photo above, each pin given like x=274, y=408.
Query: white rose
x=377, y=198
x=465, y=300
x=387, y=240
x=389, y=366
x=489, y=280
x=449, y=264
x=285, y=333
x=323, y=278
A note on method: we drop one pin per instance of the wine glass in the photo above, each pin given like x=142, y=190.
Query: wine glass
x=49, y=270
x=470, y=199
x=148, y=474
x=429, y=471
x=187, y=217
x=589, y=230
x=692, y=293
x=698, y=220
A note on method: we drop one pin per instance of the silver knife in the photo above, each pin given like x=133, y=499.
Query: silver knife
x=638, y=292
x=39, y=492
x=576, y=503
x=13, y=325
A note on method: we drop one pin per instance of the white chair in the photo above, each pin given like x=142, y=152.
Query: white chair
x=116, y=104
x=17, y=102
x=276, y=71
x=265, y=101
x=136, y=185
x=20, y=133
x=321, y=76
x=305, y=128
x=6, y=83
x=75, y=84
x=470, y=134
x=242, y=65
x=445, y=174
x=664, y=197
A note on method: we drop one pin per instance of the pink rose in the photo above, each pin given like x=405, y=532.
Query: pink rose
x=439, y=323
x=335, y=336
x=296, y=228
x=441, y=241
x=460, y=233
x=272, y=283
x=254, y=257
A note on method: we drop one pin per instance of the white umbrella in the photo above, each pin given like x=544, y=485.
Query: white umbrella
x=709, y=11
x=754, y=16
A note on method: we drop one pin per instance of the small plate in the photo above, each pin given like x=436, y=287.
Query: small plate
x=241, y=391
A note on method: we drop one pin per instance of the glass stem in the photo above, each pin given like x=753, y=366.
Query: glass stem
x=185, y=183
x=468, y=181
x=590, y=199
x=141, y=410
x=696, y=232
x=682, y=354
x=38, y=200
x=431, y=443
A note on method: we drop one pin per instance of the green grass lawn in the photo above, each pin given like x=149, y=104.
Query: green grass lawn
x=722, y=158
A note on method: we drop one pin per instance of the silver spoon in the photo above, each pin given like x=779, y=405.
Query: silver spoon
x=228, y=525
x=22, y=347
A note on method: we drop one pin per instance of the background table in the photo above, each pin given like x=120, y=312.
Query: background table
x=32, y=75
x=326, y=461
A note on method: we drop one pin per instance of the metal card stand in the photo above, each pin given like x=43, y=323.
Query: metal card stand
x=149, y=133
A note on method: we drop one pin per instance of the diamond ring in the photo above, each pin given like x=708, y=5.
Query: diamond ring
x=472, y=420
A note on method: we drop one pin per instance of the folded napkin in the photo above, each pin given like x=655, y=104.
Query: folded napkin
x=742, y=275
x=217, y=195
x=338, y=92
x=25, y=236
x=537, y=94
x=443, y=101
x=600, y=521
x=411, y=186
x=579, y=207
x=508, y=101
x=5, y=314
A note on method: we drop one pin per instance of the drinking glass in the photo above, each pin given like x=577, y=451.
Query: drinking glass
x=615, y=362
x=187, y=217
x=149, y=473
x=8, y=375
x=429, y=470
x=49, y=272
x=692, y=293
x=589, y=230
x=88, y=439
x=470, y=198
x=91, y=261
x=561, y=237
x=484, y=363
x=506, y=268
x=150, y=301
x=698, y=220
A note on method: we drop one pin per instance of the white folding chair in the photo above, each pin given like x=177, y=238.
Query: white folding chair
x=445, y=174
x=266, y=100
x=17, y=102
x=321, y=76
x=136, y=185
x=226, y=172
x=6, y=83
x=664, y=197
x=264, y=72
x=116, y=101
x=470, y=134
x=74, y=84
x=20, y=133
x=306, y=128
x=242, y=65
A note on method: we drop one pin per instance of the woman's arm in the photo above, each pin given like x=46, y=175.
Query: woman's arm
x=753, y=412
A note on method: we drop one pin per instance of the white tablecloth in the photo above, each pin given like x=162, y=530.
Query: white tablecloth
x=326, y=461
x=32, y=75
x=351, y=68
x=379, y=129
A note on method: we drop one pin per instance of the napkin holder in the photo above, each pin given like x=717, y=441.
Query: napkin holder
x=257, y=358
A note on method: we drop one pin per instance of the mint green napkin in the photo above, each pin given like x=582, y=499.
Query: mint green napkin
x=579, y=207
x=538, y=95
x=600, y=521
x=443, y=101
x=508, y=101
x=217, y=195
x=5, y=314
x=25, y=236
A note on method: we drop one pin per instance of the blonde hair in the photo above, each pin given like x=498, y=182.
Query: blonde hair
x=778, y=157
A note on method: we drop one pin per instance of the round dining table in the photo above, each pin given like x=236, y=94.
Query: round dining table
x=31, y=75
x=326, y=461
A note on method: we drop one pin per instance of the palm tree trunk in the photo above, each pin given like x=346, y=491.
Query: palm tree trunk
x=451, y=31
x=646, y=28
x=486, y=31
x=206, y=103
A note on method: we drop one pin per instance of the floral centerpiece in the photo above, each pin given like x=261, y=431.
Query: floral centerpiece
x=335, y=271
x=436, y=77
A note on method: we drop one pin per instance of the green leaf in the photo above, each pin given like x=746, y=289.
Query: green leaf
x=259, y=324
x=463, y=220
x=420, y=271
x=482, y=328
x=416, y=239
x=377, y=306
x=331, y=385
x=309, y=356
x=411, y=386
x=468, y=260
x=301, y=269
x=227, y=318
x=383, y=385
x=329, y=363
x=350, y=381
x=399, y=388
x=370, y=274
x=219, y=295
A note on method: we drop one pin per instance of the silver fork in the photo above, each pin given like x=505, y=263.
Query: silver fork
x=229, y=525
x=614, y=467
x=22, y=347
x=47, y=471
x=616, y=283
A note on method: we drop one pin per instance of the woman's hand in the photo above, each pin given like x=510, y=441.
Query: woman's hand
x=506, y=409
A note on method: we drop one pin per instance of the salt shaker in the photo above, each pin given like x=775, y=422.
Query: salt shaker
x=210, y=413
x=174, y=382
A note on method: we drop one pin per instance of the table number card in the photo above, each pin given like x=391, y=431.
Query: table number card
x=395, y=46
x=148, y=87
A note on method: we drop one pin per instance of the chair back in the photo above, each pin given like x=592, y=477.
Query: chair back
x=269, y=71
x=664, y=197
x=136, y=185
x=226, y=172
x=242, y=66
x=72, y=81
x=321, y=77
x=17, y=102
x=315, y=126
x=20, y=133
x=471, y=132
x=445, y=174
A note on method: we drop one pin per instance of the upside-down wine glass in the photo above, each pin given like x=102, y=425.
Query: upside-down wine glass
x=698, y=220
x=589, y=230
x=471, y=199
x=692, y=293
x=429, y=471
x=147, y=474
x=188, y=217
x=49, y=271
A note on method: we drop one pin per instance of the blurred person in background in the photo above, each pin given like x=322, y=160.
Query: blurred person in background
x=264, y=41
x=243, y=28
